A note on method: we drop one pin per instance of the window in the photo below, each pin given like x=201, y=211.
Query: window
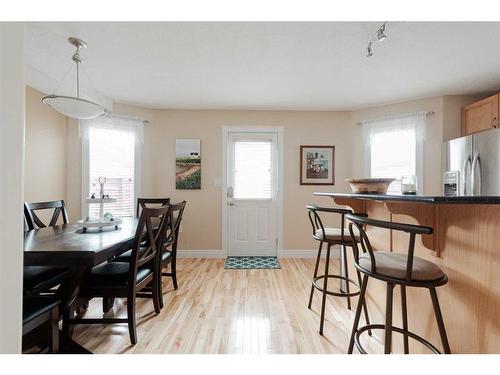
x=253, y=169
x=111, y=148
x=393, y=148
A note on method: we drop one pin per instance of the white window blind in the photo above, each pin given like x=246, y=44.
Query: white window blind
x=110, y=150
x=393, y=148
x=253, y=169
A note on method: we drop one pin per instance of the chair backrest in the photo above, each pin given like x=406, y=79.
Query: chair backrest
x=148, y=239
x=34, y=222
x=150, y=202
x=358, y=223
x=316, y=222
x=176, y=210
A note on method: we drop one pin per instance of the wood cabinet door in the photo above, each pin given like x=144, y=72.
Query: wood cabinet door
x=479, y=116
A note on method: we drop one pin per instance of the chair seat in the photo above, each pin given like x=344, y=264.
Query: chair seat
x=42, y=278
x=394, y=265
x=127, y=255
x=334, y=234
x=113, y=275
x=35, y=306
x=167, y=254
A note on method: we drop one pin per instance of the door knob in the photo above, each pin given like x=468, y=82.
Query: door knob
x=230, y=203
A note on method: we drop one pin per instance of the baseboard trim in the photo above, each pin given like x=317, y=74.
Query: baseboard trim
x=281, y=254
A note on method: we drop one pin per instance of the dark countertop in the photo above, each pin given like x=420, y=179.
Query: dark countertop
x=435, y=199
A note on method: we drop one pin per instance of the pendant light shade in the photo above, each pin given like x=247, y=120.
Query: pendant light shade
x=74, y=106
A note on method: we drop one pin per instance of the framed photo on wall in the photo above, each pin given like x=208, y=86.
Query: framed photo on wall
x=317, y=165
x=187, y=164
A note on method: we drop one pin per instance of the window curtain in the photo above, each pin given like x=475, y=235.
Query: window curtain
x=402, y=128
x=112, y=127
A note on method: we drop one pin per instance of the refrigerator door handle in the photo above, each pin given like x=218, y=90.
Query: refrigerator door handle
x=467, y=164
x=476, y=167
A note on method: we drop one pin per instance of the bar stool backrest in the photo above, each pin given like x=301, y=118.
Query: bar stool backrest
x=316, y=222
x=358, y=223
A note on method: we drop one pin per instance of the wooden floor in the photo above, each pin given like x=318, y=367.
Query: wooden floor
x=229, y=311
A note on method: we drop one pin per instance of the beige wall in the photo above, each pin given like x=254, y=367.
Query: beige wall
x=45, y=151
x=202, y=222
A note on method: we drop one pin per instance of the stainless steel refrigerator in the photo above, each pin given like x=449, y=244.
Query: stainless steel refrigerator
x=471, y=164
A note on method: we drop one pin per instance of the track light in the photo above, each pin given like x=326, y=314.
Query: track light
x=369, y=52
x=380, y=33
x=378, y=36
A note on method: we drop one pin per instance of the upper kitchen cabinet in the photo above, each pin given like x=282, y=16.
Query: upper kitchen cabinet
x=481, y=115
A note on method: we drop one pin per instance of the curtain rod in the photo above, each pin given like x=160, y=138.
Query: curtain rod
x=128, y=117
x=427, y=114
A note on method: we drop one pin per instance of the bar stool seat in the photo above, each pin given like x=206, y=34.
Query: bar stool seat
x=332, y=235
x=394, y=265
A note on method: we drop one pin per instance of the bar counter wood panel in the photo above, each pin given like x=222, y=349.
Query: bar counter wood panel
x=465, y=245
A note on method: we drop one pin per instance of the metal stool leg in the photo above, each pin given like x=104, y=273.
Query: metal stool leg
x=346, y=271
x=355, y=324
x=315, y=274
x=388, y=319
x=439, y=320
x=405, y=318
x=365, y=308
x=325, y=286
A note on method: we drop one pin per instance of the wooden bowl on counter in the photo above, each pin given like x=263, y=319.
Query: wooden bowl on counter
x=369, y=185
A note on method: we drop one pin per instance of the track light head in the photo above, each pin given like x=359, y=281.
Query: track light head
x=380, y=34
x=369, y=52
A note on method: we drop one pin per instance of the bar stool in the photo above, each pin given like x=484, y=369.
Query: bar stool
x=405, y=270
x=332, y=237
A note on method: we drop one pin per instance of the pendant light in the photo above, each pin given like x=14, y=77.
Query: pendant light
x=74, y=106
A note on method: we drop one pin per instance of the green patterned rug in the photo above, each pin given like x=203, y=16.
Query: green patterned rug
x=245, y=263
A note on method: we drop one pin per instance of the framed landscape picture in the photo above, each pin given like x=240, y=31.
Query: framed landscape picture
x=187, y=164
x=317, y=165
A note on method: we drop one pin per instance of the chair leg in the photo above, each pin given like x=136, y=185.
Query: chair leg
x=107, y=304
x=325, y=286
x=318, y=258
x=54, y=331
x=365, y=308
x=155, y=292
x=344, y=259
x=174, y=272
x=388, y=319
x=160, y=288
x=439, y=320
x=131, y=319
x=405, y=318
x=355, y=324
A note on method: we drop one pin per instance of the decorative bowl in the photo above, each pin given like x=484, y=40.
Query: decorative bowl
x=369, y=185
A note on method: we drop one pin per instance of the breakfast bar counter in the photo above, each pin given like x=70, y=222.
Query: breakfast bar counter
x=466, y=234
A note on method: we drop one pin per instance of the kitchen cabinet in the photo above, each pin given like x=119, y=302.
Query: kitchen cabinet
x=481, y=115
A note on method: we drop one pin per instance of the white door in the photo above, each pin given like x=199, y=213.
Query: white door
x=252, y=177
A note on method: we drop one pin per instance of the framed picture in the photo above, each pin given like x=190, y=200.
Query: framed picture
x=317, y=165
x=187, y=164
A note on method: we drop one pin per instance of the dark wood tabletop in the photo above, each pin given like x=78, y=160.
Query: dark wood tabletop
x=67, y=245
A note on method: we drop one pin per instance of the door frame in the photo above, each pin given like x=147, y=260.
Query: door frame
x=278, y=130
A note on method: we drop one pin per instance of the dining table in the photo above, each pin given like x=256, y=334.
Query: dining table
x=68, y=246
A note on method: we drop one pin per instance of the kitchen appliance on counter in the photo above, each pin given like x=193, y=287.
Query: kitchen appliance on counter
x=471, y=165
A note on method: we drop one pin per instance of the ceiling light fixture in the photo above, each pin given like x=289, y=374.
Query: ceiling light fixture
x=379, y=36
x=74, y=106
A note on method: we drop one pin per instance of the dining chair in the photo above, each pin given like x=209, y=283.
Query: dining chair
x=142, y=203
x=41, y=313
x=169, y=247
x=128, y=279
x=34, y=222
x=40, y=279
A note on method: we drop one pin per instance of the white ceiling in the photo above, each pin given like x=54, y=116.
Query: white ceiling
x=297, y=65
